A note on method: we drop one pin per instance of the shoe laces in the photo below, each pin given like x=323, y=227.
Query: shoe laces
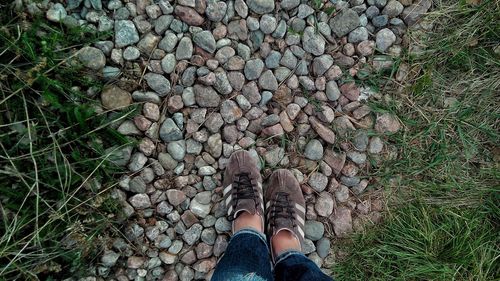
x=282, y=208
x=244, y=190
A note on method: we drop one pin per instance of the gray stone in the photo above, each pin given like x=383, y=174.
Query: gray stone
x=113, y=97
x=342, y=194
x=360, y=140
x=253, y=69
x=357, y=35
x=323, y=247
x=206, y=96
x=289, y=60
x=280, y=30
x=214, y=145
x=222, y=84
x=56, y=13
x=224, y=54
x=109, y=258
x=137, y=185
x=131, y=53
x=318, y=181
x=321, y=64
x=168, y=63
x=205, y=40
x=189, y=76
x=169, y=131
x=380, y=21
x=312, y=42
x=267, y=81
x=176, y=247
x=253, y=23
x=125, y=33
x=393, y=9
x=200, y=210
x=256, y=39
x=192, y=234
x=273, y=59
x=261, y=6
x=332, y=91
x=372, y=12
x=308, y=246
x=96, y=4
x=73, y=4
x=177, y=149
x=289, y=4
x=267, y=24
x=356, y=157
x=168, y=42
x=185, y=49
x=158, y=83
x=241, y=8
x=384, y=39
x=167, y=258
x=314, y=150
x=193, y=147
x=214, y=122
x=140, y=201
x=349, y=181
x=304, y=11
x=230, y=111
x=215, y=10
x=344, y=22
x=222, y=225
x=376, y=145
x=208, y=235
x=314, y=230
x=274, y=156
x=266, y=97
x=270, y=120
x=324, y=204
x=162, y=23
x=137, y=161
x=380, y=3
x=92, y=58
x=414, y=12
x=206, y=171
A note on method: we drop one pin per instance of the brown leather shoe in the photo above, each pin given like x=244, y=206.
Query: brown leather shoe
x=285, y=206
x=243, y=186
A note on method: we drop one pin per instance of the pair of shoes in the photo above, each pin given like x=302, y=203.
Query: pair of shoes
x=283, y=205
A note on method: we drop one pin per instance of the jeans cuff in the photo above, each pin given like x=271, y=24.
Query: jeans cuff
x=251, y=231
x=287, y=254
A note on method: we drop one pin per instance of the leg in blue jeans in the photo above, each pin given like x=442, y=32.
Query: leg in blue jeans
x=295, y=266
x=246, y=258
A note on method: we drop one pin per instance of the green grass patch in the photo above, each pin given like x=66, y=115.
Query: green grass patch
x=55, y=168
x=444, y=217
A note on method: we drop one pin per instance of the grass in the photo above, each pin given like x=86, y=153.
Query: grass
x=55, y=174
x=443, y=214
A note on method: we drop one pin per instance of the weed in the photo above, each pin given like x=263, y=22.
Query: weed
x=443, y=218
x=54, y=170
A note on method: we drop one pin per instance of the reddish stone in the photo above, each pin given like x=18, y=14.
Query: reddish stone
x=324, y=132
x=189, y=15
x=275, y=130
x=350, y=91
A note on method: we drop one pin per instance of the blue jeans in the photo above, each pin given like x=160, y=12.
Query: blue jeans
x=247, y=258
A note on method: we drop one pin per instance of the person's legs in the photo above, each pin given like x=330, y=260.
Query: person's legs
x=247, y=255
x=246, y=258
x=295, y=266
x=285, y=215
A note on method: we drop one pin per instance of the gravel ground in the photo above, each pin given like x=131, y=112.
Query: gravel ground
x=212, y=77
